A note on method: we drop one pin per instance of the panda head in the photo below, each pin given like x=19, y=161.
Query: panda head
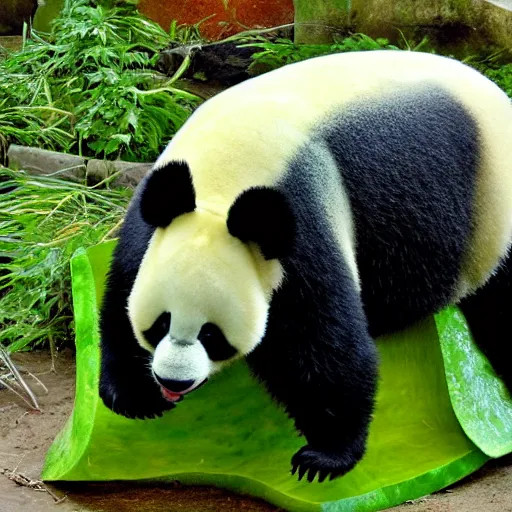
x=202, y=292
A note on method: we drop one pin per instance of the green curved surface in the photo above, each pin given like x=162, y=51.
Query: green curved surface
x=230, y=434
x=481, y=401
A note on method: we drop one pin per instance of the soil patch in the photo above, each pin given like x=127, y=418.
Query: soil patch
x=25, y=437
x=12, y=43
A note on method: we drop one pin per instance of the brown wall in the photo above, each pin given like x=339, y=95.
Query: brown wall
x=231, y=16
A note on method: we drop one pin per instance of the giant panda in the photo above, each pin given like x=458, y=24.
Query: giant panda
x=299, y=215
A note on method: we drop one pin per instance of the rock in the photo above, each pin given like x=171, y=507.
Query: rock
x=223, y=64
x=457, y=27
x=51, y=163
x=498, y=22
x=131, y=172
x=448, y=23
x=42, y=161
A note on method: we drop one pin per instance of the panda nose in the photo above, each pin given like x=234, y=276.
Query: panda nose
x=176, y=386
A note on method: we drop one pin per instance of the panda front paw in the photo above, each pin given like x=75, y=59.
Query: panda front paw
x=324, y=463
x=138, y=397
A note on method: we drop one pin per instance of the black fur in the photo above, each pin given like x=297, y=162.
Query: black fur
x=158, y=330
x=167, y=192
x=317, y=358
x=262, y=215
x=409, y=164
x=126, y=384
x=409, y=168
x=215, y=343
x=488, y=313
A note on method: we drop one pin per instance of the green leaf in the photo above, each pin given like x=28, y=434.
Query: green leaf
x=124, y=138
x=111, y=146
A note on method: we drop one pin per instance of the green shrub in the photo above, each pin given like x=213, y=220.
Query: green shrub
x=90, y=87
x=284, y=51
x=502, y=75
x=43, y=221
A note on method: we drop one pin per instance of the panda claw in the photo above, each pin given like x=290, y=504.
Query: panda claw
x=322, y=475
x=302, y=471
x=323, y=463
x=311, y=474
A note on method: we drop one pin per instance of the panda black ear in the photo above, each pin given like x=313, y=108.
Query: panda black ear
x=167, y=192
x=262, y=215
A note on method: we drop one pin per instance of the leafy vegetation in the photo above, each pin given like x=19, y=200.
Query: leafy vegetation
x=284, y=51
x=187, y=34
x=90, y=87
x=492, y=62
x=502, y=75
x=43, y=220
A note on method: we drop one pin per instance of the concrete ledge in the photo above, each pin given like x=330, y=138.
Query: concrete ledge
x=42, y=161
x=75, y=168
x=131, y=172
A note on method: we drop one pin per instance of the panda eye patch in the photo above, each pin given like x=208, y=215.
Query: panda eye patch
x=215, y=343
x=159, y=329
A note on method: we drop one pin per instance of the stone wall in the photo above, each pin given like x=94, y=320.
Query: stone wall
x=473, y=22
x=456, y=23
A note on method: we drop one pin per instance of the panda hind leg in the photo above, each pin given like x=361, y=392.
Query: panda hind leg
x=488, y=313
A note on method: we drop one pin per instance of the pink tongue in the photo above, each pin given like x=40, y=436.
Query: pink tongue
x=170, y=395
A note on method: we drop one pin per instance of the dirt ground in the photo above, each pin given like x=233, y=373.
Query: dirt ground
x=25, y=437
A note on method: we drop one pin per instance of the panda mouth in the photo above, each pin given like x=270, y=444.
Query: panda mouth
x=175, y=397
x=171, y=396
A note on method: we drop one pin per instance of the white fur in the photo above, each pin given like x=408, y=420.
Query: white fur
x=199, y=273
x=182, y=361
